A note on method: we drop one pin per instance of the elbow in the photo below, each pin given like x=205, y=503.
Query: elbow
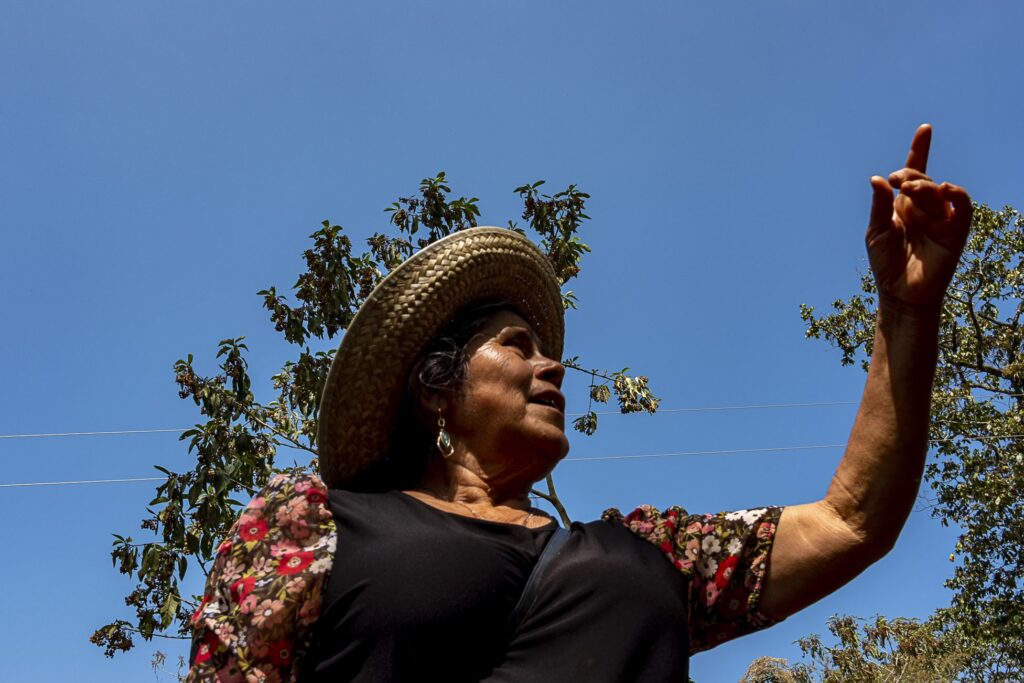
x=874, y=548
x=874, y=543
x=867, y=540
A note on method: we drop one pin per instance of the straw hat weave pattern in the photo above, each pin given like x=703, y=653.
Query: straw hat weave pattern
x=403, y=313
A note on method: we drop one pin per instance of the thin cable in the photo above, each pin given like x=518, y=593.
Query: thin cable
x=720, y=452
x=639, y=456
x=765, y=450
x=122, y=431
x=705, y=409
x=702, y=409
x=84, y=481
x=708, y=409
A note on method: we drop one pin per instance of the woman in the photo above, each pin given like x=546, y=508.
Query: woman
x=422, y=558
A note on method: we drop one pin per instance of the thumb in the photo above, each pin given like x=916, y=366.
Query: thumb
x=881, y=205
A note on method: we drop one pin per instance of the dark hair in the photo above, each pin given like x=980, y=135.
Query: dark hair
x=440, y=367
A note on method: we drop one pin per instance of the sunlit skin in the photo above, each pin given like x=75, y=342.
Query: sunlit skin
x=505, y=440
x=914, y=242
x=504, y=435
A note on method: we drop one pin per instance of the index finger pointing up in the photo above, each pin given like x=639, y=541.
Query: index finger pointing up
x=918, y=157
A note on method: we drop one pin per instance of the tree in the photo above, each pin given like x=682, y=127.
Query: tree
x=870, y=652
x=236, y=444
x=976, y=465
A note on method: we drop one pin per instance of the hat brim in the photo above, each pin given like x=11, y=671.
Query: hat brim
x=403, y=313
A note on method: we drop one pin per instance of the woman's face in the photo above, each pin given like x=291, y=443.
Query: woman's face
x=510, y=412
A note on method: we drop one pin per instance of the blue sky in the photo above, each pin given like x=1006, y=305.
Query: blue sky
x=160, y=163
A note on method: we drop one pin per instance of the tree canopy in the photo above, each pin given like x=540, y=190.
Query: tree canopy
x=975, y=471
x=239, y=435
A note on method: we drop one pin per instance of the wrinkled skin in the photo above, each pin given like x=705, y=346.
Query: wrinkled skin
x=914, y=242
x=504, y=434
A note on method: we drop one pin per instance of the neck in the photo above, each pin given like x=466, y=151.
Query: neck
x=457, y=481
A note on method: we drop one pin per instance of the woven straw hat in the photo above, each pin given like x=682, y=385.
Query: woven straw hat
x=404, y=312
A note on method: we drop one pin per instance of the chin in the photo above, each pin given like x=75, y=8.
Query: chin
x=556, y=453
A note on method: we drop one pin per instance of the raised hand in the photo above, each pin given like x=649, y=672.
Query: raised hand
x=915, y=240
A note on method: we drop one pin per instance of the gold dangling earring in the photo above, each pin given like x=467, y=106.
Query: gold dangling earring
x=444, y=439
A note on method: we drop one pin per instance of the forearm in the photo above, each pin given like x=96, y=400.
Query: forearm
x=913, y=242
x=876, y=483
x=820, y=546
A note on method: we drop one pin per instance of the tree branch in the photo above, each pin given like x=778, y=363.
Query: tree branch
x=552, y=497
x=274, y=430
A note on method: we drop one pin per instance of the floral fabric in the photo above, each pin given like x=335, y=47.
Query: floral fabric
x=264, y=591
x=725, y=557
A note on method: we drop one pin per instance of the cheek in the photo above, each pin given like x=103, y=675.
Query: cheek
x=494, y=404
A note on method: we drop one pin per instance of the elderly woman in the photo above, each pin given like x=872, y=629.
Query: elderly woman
x=419, y=556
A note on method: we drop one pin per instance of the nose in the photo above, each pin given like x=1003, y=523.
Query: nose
x=551, y=371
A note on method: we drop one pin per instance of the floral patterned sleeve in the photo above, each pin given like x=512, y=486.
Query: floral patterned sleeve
x=263, y=593
x=724, y=556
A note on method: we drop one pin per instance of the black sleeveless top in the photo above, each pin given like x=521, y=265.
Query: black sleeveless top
x=416, y=593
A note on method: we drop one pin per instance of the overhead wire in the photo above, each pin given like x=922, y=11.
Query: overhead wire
x=118, y=431
x=709, y=409
x=700, y=409
x=637, y=456
x=83, y=481
x=596, y=458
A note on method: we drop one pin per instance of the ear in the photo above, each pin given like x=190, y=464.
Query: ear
x=427, y=405
x=435, y=402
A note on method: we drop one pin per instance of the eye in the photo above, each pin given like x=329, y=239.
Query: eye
x=522, y=342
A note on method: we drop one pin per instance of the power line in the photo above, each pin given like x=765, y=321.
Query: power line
x=84, y=481
x=708, y=409
x=120, y=431
x=596, y=458
x=701, y=409
x=719, y=452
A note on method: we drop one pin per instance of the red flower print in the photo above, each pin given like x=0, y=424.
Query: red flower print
x=285, y=547
x=225, y=547
x=281, y=652
x=725, y=570
x=316, y=497
x=711, y=593
x=293, y=563
x=199, y=610
x=240, y=589
x=206, y=648
x=637, y=515
x=252, y=529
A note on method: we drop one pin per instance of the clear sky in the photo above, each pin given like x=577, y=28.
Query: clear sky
x=162, y=162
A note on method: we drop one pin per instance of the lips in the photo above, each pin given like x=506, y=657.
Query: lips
x=552, y=399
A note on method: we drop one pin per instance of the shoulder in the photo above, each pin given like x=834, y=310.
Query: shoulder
x=687, y=538
x=651, y=524
x=724, y=557
x=265, y=587
x=292, y=485
x=292, y=506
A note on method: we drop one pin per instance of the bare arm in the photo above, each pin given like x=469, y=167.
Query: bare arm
x=914, y=244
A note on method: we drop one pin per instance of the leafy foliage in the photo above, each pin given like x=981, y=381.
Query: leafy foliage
x=236, y=445
x=976, y=469
x=633, y=394
x=882, y=650
x=556, y=219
